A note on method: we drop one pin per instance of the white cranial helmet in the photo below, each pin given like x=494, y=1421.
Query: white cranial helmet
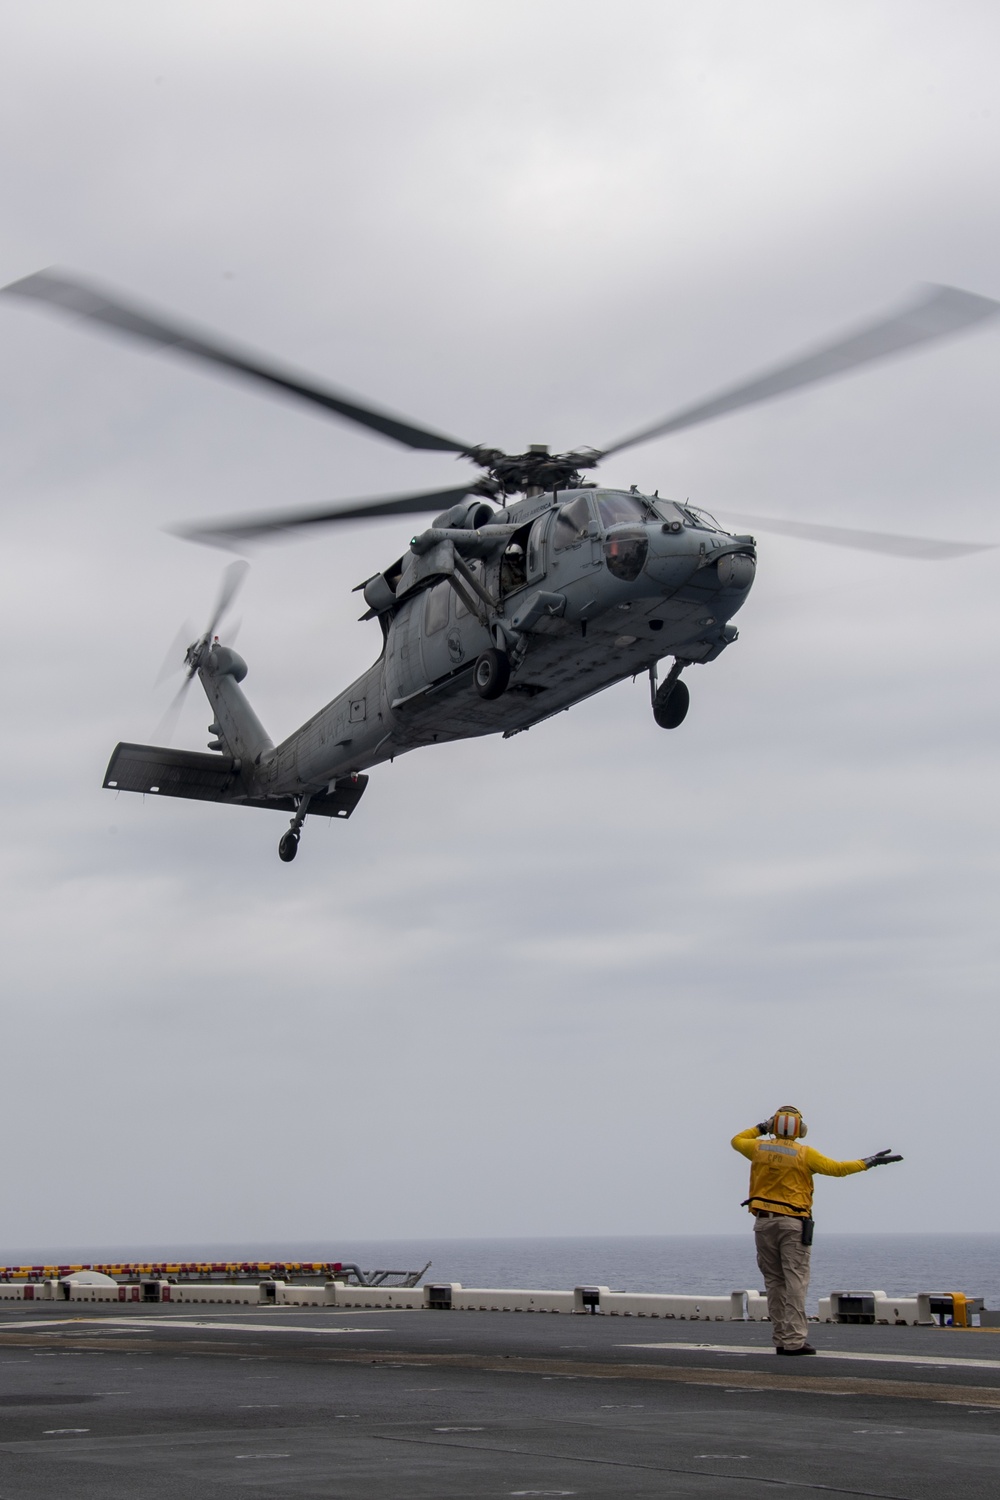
x=789, y=1124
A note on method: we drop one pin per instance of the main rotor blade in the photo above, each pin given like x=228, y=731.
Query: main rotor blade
x=927, y=549
x=939, y=313
x=265, y=524
x=70, y=294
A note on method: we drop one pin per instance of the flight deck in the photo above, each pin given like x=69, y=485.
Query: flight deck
x=131, y=1402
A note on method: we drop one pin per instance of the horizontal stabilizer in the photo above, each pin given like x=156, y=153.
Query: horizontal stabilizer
x=213, y=778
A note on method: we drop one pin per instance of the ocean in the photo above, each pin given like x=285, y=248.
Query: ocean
x=898, y=1264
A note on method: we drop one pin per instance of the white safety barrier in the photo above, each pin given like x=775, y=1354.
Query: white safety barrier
x=926, y=1308
x=498, y=1299
x=384, y=1298
x=720, y=1309
x=923, y=1310
x=245, y=1293
x=901, y=1311
x=850, y=1307
x=287, y=1294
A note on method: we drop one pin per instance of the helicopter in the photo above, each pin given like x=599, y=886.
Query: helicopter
x=532, y=589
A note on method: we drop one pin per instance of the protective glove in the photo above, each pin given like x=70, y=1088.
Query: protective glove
x=880, y=1159
x=765, y=1127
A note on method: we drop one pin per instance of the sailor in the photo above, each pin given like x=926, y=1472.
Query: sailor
x=781, y=1195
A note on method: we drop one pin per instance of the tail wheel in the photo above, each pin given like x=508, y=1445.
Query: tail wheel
x=671, y=711
x=288, y=846
x=491, y=673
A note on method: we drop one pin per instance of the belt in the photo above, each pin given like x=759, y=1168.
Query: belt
x=765, y=1213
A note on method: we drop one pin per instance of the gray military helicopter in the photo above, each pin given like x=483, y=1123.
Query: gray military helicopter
x=531, y=590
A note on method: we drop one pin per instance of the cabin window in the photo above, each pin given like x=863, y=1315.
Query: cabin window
x=436, y=608
x=513, y=575
x=571, y=523
x=536, y=563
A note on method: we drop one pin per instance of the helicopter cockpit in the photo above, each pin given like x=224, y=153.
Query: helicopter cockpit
x=616, y=521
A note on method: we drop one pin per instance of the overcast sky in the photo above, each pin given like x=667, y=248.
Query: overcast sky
x=531, y=987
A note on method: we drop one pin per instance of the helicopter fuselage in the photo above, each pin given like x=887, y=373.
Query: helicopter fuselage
x=579, y=589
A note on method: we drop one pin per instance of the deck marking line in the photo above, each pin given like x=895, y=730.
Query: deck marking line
x=118, y=1324
x=928, y=1361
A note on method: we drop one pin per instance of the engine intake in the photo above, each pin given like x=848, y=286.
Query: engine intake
x=467, y=515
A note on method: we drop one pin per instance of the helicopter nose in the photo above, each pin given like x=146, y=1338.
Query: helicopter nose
x=672, y=553
x=736, y=570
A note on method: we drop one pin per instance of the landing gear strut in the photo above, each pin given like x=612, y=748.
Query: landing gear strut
x=671, y=699
x=288, y=844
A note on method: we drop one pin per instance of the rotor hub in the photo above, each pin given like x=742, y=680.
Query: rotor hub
x=534, y=471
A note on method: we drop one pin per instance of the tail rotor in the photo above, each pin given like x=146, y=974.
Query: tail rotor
x=233, y=578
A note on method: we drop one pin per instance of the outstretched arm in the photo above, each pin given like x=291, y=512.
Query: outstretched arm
x=828, y=1168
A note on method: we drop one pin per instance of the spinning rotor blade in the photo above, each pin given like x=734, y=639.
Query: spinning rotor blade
x=75, y=296
x=927, y=549
x=229, y=533
x=939, y=313
x=232, y=581
x=174, y=659
x=233, y=578
x=167, y=727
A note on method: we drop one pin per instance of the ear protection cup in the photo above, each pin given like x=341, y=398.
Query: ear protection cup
x=789, y=1124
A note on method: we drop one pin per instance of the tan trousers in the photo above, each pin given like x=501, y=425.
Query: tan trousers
x=784, y=1264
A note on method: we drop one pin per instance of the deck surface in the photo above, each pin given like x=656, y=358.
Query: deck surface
x=131, y=1404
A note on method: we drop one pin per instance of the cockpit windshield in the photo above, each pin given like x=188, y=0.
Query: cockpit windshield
x=617, y=509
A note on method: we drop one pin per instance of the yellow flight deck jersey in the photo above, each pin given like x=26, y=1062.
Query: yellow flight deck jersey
x=781, y=1172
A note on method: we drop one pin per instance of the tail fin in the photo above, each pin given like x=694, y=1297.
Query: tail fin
x=237, y=728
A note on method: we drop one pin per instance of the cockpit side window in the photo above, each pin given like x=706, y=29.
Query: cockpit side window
x=571, y=523
x=618, y=509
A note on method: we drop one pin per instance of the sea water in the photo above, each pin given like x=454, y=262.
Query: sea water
x=899, y=1264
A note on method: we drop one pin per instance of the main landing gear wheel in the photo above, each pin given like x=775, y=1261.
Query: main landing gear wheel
x=288, y=846
x=671, y=710
x=491, y=673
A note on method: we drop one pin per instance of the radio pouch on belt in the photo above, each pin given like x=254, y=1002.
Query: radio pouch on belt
x=808, y=1225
